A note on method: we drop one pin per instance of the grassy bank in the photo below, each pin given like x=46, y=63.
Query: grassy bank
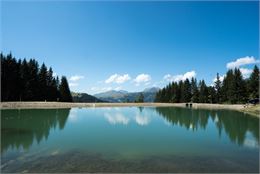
x=253, y=110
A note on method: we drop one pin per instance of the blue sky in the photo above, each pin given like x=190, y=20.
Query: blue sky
x=132, y=45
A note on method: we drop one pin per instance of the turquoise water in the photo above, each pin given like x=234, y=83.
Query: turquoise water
x=128, y=139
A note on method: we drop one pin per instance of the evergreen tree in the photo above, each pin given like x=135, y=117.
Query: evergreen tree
x=22, y=80
x=233, y=89
x=9, y=76
x=253, y=83
x=57, y=80
x=140, y=98
x=218, y=89
x=163, y=95
x=203, y=94
x=211, y=94
x=194, y=91
x=181, y=91
x=158, y=96
x=43, y=83
x=33, y=81
x=24, y=72
x=228, y=87
x=240, y=93
x=178, y=92
x=167, y=95
x=186, y=91
x=174, y=92
x=51, y=86
x=65, y=95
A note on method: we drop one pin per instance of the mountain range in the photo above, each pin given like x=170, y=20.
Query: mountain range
x=125, y=96
x=84, y=97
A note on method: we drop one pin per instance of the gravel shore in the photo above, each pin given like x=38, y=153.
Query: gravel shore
x=42, y=105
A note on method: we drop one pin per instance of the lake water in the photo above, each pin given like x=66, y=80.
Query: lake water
x=128, y=139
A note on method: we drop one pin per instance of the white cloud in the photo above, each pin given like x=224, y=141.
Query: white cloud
x=242, y=61
x=117, y=118
x=118, y=88
x=73, y=84
x=116, y=78
x=168, y=77
x=176, y=78
x=142, y=78
x=142, y=120
x=245, y=72
x=76, y=78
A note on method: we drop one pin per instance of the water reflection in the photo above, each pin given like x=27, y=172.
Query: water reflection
x=117, y=118
x=20, y=128
x=235, y=124
x=142, y=120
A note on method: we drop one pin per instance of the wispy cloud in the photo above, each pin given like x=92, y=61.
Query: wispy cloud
x=76, y=78
x=116, y=78
x=176, y=78
x=142, y=78
x=73, y=84
x=118, y=88
x=242, y=61
x=100, y=89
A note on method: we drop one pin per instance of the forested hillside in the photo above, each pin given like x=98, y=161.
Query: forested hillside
x=23, y=80
x=84, y=97
x=233, y=89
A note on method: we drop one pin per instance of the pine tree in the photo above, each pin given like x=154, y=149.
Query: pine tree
x=140, y=98
x=181, y=91
x=186, y=91
x=203, y=93
x=43, y=82
x=65, y=95
x=218, y=89
x=194, y=91
x=33, y=81
x=51, y=86
x=24, y=72
x=158, y=96
x=22, y=80
x=240, y=93
x=9, y=76
x=174, y=90
x=228, y=87
x=253, y=83
x=211, y=94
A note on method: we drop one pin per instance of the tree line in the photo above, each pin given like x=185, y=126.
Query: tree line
x=23, y=80
x=233, y=89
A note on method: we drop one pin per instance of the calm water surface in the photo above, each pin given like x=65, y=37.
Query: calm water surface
x=128, y=139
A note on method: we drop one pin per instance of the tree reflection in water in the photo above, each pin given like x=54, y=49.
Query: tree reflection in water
x=19, y=128
x=235, y=124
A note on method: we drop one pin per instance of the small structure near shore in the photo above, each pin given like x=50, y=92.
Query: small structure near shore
x=189, y=105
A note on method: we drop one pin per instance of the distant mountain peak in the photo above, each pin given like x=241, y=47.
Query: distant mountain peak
x=152, y=89
x=125, y=96
x=123, y=91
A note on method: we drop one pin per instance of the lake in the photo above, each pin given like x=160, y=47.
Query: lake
x=129, y=139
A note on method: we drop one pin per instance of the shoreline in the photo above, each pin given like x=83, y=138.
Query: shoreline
x=252, y=110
